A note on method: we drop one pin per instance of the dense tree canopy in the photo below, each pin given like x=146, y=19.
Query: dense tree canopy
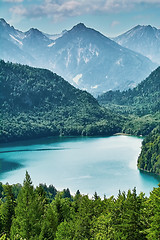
x=141, y=105
x=141, y=100
x=33, y=216
x=37, y=103
x=149, y=158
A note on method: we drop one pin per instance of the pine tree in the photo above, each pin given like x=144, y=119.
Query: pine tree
x=7, y=210
x=154, y=219
x=28, y=213
x=49, y=224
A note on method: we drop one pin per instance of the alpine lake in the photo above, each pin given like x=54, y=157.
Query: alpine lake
x=91, y=164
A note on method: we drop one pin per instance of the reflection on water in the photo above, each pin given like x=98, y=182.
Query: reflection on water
x=148, y=174
x=31, y=150
x=6, y=166
x=105, y=165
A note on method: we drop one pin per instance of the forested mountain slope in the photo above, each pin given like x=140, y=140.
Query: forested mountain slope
x=142, y=106
x=37, y=103
x=149, y=159
x=142, y=100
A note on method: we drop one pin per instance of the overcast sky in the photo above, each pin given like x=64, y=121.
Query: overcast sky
x=110, y=17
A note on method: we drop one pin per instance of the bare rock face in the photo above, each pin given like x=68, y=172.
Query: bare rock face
x=84, y=57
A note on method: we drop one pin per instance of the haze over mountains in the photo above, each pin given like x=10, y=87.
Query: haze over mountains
x=142, y=39
x=144, y=98
x=38, y=103
x=83, y=56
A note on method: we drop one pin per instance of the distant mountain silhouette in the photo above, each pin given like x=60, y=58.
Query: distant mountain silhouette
x=83, y=56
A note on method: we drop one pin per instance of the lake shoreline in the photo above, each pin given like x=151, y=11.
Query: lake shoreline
x=66, y=136
x=101, y=164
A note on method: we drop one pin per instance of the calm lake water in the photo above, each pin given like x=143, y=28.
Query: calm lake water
x=104, y=165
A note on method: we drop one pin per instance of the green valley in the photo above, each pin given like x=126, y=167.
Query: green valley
x=37, y=103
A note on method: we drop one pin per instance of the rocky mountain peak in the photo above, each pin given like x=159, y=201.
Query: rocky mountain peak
x=3, y=22
x=79, y=27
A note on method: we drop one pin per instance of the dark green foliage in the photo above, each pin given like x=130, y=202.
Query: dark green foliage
x=149, y=159
x=141, y=126
x=50, y=191
x=38, y=103
x=16, y=189
x=143, y=99
x=62, y=207
x=28, y=212
x=128, y=216
x=1, y=190
x=141, y=106
x=154, y=211
x=7, y=209
x=66, y=194
x=49, y=224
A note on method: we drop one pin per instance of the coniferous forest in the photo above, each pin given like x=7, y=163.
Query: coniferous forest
x=149, y=159
x=45, y=213
x=141, y=106
x=38, y=103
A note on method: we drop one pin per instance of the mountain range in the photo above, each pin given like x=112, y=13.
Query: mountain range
x=142, y=39
x=84, y=57
x=36, y=102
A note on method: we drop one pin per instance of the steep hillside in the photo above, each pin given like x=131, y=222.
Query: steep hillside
x=142, y=39
x=149, y=159
x=83, y=56
x=91, y=61
x=143, y=99
x=36, y=103
x=12, y=46
x=142, y=106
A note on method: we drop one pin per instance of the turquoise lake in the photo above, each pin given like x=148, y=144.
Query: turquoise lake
x=102, y=164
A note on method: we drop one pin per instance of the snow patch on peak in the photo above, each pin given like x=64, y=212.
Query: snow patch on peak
x=86, y=60
x=150, y=57
x=94, y=87
x=68, y=57
x=77, y=78
x=15, y=39
x=20, y=35
x=80, y=51
x=93, y=50
x=51, y=44
x=85, y=89
x=119, y=62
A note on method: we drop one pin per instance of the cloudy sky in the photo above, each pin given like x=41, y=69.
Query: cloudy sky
x=110, y=17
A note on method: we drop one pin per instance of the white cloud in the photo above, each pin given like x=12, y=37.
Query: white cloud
x=18, y=10
x=59, y=9
x=13, y=1
x=115, y=23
